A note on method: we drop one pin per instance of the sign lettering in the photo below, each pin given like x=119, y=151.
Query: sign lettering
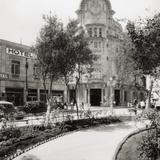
x=4, y=76
x=20, y=53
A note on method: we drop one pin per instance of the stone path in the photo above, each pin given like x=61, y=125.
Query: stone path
x=98, y=143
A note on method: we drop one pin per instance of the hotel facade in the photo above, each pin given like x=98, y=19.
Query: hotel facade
x=106, y=39
x=18, y=69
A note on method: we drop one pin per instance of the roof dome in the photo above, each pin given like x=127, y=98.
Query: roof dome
x=83, y=2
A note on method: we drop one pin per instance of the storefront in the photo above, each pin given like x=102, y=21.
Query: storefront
x=15, y=95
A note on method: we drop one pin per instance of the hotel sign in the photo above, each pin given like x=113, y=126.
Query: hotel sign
x=4, y=76
x=21, y=53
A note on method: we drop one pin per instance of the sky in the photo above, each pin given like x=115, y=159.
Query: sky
x=21, y=20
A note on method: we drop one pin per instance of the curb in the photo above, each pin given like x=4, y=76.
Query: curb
x=119, y=148
x=18, y=153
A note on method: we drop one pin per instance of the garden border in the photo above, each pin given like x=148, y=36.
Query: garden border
x=119, y=148
x=20, y=152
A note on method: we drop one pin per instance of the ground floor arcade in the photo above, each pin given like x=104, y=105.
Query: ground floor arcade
x=100, y=94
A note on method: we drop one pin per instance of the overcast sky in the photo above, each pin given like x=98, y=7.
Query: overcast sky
x=21, y=20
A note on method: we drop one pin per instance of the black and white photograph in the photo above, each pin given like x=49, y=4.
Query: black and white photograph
x=79, y=79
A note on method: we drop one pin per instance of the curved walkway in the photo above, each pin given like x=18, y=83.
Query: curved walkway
x=98, y=143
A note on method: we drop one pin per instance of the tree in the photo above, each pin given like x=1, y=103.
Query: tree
x=67, y=54
x=47, y=55
x=75, y=56
x=128, y=71
x=83, y=59
x=62, y=53
x=146, y=40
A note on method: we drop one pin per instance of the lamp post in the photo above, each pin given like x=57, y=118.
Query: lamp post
x=26, y=87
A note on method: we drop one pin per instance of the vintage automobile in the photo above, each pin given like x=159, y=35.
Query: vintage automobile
x=8, y=110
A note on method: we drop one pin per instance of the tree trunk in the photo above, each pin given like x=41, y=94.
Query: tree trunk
x=67, y=85
x=47, y=119
x=49, y=104
x=148, y=102
x=76, y=90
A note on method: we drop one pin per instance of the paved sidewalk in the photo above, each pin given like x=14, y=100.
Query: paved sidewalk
x=99, y=143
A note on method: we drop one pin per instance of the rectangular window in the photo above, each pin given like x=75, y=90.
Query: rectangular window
x=95, y=45
x=90, y=32
x=95, y=32
x=100, y=32
x=15, y=69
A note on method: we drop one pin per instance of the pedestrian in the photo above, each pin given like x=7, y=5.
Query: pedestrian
x=135, y=102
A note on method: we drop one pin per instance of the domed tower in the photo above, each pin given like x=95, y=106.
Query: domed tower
x=96, y=16
x=105, y=39
x=97, y=12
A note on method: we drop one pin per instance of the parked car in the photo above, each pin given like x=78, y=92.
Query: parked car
x=7, y=107
x=8, y=110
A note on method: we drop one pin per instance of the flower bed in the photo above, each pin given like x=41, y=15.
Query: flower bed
x=32, y=136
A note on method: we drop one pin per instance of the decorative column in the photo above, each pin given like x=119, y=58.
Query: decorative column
x=102, y=95
x=112, y=83
x=38, y=94
x=88, y=97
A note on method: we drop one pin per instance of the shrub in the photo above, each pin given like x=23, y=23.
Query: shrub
x=148, y=146
x=9, y=133
x=35, y=107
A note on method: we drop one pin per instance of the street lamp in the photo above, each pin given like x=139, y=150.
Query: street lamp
x=26, y=67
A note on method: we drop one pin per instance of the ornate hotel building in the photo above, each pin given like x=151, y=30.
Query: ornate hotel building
x=106, y=40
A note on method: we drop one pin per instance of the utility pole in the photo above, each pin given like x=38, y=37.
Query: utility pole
x=26, y=91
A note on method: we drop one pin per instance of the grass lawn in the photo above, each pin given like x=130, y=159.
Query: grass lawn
x=129, y=149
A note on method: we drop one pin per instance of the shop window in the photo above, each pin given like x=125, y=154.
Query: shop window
x=90, y=32
x=100, y=32
x=95, y=32
x=15, y=69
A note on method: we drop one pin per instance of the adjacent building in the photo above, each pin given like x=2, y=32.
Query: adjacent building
x=19, y=78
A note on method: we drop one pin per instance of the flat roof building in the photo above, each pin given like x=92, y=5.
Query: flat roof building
x=19, y=75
